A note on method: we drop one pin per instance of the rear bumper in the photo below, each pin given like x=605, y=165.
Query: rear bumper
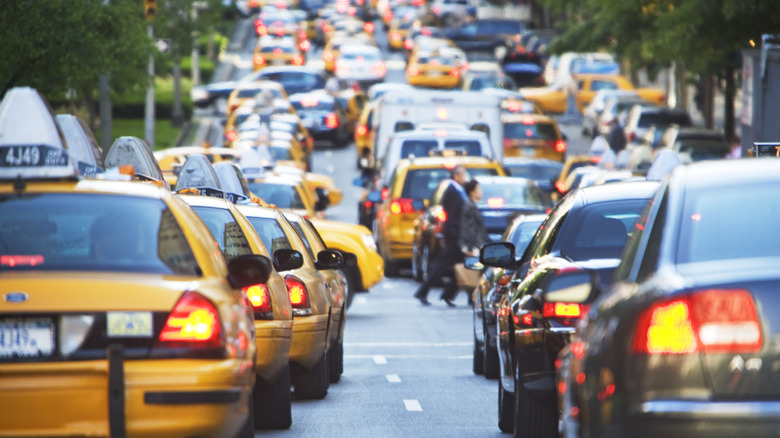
x=310, y=339
x=273, y=340
x=372, y=270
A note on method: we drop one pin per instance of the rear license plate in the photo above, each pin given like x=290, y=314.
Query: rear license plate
x=26, y=337
x=279, y=62
x=434, y=73
x=129, y=324
x=529, y=152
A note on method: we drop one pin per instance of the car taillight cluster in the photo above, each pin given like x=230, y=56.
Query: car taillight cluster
x=193, y=322
x=455, y=72
x=361, y=130
x=413, y=70
x=299, y=296
x=408, y=44
x=260, y=299
x=331, y=121
x=402, y=205
x=261, y=29
x=709, y=321
x=297, y=60
x=558, y=145
x=563, y=310
x=379, y=68
x=258, y=60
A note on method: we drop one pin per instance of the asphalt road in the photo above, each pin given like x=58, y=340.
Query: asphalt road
x=407, y=368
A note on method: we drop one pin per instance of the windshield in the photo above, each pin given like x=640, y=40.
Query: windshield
x=92, y=232
x=421, y=183
x=280, y=195
x=535, y=131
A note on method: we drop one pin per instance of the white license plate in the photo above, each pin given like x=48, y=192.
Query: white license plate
x=129, y=324
x=434, y=73
x=529, y=152
x=29, y=337
x=278, y=62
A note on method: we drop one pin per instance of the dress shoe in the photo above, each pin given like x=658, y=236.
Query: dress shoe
x=449, y=302
x=422, y=299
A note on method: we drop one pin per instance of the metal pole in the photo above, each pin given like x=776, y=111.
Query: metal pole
x=195, y=51
x=105, y=112
x=149, y=113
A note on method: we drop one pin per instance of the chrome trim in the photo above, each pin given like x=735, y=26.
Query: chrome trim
x=570, y=330
x=769, y=410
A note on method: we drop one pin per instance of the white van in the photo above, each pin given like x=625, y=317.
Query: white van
x=405, y=110
x=428, y=142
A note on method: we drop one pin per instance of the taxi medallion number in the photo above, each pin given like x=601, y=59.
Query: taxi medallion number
x=28, y=337
x=32, y=156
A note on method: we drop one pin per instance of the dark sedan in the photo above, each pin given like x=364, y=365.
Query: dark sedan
x=294, y=79
x=492, y=35
x=588, y=229
x=543, y=171
x=323, y=116
x=684, y=342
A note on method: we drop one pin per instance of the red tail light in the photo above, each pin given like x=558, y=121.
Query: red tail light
x=413, y=70
x=261, y=30
x=560, y=186
x=385, y=193
x=401, y=205
x=526, y=319
x=297, y=60
x=368, y=27
x=560, y=146
x=441, y=216
x=331, y=121
x=361, y=130
x=305, y=45
x=195, y=321
x=231, y=135
x=509, y=143
x=379, y=69
x=258, y=60
x=21, y=260
x=632, y=136
x=299, y=296
x=563, y=310
x=710, y=321
x=408, y=44
x=261, y=301
x=328, y=57
x=455, y=72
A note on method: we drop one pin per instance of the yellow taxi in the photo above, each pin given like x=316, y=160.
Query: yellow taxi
x=293, y=124
x=273, y=50
x=249, y=90
x=331, y=50
x=396, y=34
x=338, y=301
x=285, y=192
x=365, y=132
x=310, y=298
x=411, y=186
x=433, y=69
x=353, y=100
x=143, y=332
x=571, y=163
x=270, y=302
x=358, y=240
x=533, y=136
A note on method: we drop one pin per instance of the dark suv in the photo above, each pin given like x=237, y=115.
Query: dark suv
x=492, y=35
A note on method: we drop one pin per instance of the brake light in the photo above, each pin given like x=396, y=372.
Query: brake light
x=261, y=301
x=514, y=106
x=193, y=320
x=297, y=60
x=710, y=321
x=408, y=44
x=455, y=72
x=331, y=121
x=413, y=70
x=361, y=130
x=508, y=143
x=560, y=146
x=328, y=57
x=368, y=27
x=299, y=296
x=305, y=45
x=261, y=30
x=258, y=60
x=21, y=260
x=526, y=320
x=379, y=69
x=231, y=135
x=563, y=310
x=441, y=216
x=385, y=193
x=401, y=205
x=560, y=186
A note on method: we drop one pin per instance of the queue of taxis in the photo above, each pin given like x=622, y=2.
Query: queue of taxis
x=147, y=332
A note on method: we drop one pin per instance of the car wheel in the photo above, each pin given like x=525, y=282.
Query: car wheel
x=490, y=365
x=349, y=286
x=506, y=407
x=479, y=355
x=272, y=403
x=313, y=384
x=336, y=362
x=534, y=416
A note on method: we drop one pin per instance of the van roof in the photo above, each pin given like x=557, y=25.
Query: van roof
x=435, y=97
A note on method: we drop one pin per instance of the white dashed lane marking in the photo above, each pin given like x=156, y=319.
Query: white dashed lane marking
x=380, y=360
x=393, y=378
x=412, y=405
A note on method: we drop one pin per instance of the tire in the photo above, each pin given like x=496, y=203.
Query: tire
x=534, y=416
x=336, y=362
x=479, y=356
x=248, y=428
x=391, y=268
x=313, y=384
x=506, y=408
x=349, y=286
x=272, y=406
x=490, y=366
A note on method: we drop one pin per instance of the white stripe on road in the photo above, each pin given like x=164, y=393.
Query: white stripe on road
x=380, y=360
x=403, y=356
x=412, y=405
x=408, y=344
x=393, y=378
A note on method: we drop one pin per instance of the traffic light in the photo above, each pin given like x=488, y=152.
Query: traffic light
x=150, y=8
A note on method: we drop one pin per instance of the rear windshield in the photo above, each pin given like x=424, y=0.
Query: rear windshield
x=278, y=49
x=313, y=105
x=92, y=232
x=226, y=231
x=496, y=27
x=472, y=147
x=281, y=195
x=299, y=81
x=702, y=149
x=421, y=183
x=536, y=131
x=507, y=195
x=538, y=173
x=600, y=230
x=270, y=233
x=664, y=119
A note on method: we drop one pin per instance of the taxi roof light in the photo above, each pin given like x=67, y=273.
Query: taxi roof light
x=198, y=173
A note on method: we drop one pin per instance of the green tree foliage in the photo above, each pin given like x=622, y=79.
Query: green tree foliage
x=61, y=45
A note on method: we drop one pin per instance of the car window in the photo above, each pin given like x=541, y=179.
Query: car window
x=601, y=230
x=510, y=194
x=226, y=231
x=597, y=85
x=281, y=153
x=421, y=183
x=63, y=231
x=418, y=148
x=270, y=233
x=535, y=131
x=522, y=234
x=538, y=173
x=280, y=195
x=302, y=235
x=472, y=147
x=664, y=119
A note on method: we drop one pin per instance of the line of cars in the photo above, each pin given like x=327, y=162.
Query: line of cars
x=133, y=308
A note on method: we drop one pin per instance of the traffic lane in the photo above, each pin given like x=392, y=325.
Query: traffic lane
x=407, y=372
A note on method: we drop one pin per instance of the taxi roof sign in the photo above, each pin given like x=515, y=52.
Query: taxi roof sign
x=137, y=153
x=254, y=162
x=82, y=145
x=31, y=143
x=198, y=173
x=233, y=182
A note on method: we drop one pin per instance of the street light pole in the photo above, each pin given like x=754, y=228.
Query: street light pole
x=149, y=110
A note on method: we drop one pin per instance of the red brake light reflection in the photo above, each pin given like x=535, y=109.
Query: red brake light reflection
x=21, y=260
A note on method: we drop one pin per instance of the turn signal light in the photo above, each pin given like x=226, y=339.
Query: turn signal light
x=193, y=320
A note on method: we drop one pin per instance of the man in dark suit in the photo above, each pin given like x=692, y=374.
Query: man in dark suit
x=450, y=253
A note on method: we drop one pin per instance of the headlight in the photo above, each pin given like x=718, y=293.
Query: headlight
x=368, y=241
x=199, y=94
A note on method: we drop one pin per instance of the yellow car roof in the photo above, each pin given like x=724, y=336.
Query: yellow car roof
x=519, y=118
x=428, y=162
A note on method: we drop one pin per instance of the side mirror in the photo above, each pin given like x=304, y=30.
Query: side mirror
x=349, y=258
x=329, y=259
x=248, y=270
x=287, y=259
x=571, y=287
x=497, y=254
x=473, y=263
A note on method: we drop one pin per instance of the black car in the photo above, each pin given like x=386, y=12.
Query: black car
x=543, y=171
x=493, y=284
x=587, y=230
x=486, y=35
x=294, y=79
x=323, y=116
x=683, y=342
